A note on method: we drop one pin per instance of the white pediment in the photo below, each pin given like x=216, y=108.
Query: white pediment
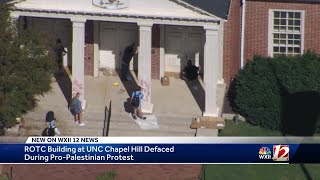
x=158, y=8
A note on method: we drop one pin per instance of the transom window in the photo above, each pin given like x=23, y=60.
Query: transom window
x=286, y=33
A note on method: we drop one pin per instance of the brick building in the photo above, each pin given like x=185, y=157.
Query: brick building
x=281, y=27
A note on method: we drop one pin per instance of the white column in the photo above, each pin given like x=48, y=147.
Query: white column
x=78, y=43
x=220, y=71
x=162, y=50
x=96, y=61
x=144, y=65
x=14, y=21
x=211, y=62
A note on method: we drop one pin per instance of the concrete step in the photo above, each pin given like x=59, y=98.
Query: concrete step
x=76, y=131
x=116, y=133
x=162, y=119
x=67, y=123
x=134, y=126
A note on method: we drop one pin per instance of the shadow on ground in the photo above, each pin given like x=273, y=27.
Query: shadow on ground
x=300, y=113
x=197, y=92
x=64, y=83
x=130, y=85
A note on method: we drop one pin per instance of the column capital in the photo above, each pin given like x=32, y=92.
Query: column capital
x=145, y=25
x=78, y=20
x=211, y=28
x=14, y=15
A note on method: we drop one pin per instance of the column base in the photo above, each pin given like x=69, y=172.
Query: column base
x=84, y=104
x=220, y=81
x=148, y=108
x=210, y=114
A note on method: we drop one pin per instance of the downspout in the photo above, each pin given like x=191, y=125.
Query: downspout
x=243, y=17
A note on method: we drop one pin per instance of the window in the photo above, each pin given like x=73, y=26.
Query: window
x=286, y=33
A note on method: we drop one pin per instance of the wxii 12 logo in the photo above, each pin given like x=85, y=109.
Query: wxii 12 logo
x=280, y=153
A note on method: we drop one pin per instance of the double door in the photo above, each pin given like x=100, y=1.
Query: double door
x=182, y=44
x=114, y=38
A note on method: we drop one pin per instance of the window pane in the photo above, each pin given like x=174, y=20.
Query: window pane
x=276, y=22
x=283, y=42
x=276, y=28
x=297, y=29
x=290, y=29
x=297, y=22
x=283, y=36
x=290, y=42
x=282, y=28
x=283, y=14
x=297, y=15
x=282, y=49
x=290, y=36
x=297, y=50
x=276, y=49
x=276, y=41
x=290, y=14
x=276, y=14
x=276, y=36
x=283, y=22
x=296, y=36
x=290, y=22
x=290, y=49
x=296, y=42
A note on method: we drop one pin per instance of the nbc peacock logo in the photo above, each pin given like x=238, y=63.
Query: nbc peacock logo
x=264, y=153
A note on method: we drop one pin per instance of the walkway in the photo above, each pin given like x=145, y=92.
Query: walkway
x=90, y=172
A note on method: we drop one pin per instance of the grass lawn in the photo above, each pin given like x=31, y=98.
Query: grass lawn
x=258, y=172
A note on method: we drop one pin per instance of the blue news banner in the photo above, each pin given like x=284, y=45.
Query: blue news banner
x=159, y=153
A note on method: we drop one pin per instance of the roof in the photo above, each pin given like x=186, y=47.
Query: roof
x=218, y=8
x=159, y=9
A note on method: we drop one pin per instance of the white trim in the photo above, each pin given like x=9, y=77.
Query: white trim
x=243, y=24
x=270, y=29
x=119, y=18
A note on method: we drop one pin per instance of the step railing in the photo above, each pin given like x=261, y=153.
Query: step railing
x=107, y=117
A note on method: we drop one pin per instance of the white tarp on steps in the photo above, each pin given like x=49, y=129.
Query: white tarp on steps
x=150, y=123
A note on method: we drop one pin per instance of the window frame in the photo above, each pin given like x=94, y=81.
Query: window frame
x=271, y=29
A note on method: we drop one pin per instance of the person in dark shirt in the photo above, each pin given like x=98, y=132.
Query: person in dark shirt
x=60, y=52
x=190, y=72
x=129, y=52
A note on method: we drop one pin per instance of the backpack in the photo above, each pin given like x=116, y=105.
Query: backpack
x=136, y=100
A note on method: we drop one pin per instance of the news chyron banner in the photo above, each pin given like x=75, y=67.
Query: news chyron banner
x=165, y=150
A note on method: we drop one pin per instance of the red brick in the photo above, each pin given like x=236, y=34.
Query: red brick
x=257, y=17
x=88, y=172
x=232, y=42
x=89, y=49
x=155, y=64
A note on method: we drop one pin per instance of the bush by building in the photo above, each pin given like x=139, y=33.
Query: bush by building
x=281, y=93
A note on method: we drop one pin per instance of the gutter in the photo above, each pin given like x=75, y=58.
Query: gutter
x=243, y=17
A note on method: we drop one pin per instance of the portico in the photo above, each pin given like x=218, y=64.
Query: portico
x=145, y=15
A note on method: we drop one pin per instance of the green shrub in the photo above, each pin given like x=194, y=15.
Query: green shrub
x=280, y=93
x=26, y=69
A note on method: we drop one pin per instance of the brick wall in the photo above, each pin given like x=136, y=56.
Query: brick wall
x=89, y=49
x=232, y=42
x=257, y=16
x=155, y=71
